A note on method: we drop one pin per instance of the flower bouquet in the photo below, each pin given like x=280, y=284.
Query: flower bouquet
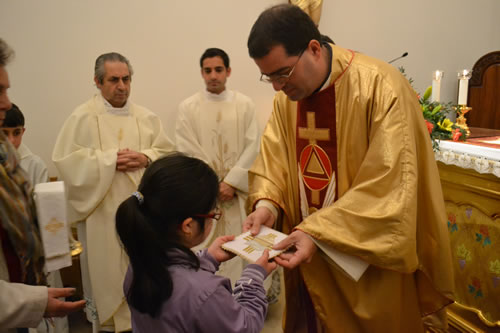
x=435, y=116
x=438, y=125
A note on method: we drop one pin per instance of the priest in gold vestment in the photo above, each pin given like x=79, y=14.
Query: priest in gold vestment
x=101, y=153
x=346, y=164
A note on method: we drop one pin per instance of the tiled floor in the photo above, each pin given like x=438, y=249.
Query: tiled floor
x=78, y=323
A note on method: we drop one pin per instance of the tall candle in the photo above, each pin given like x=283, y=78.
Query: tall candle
x=463, y=87
x=436, y=86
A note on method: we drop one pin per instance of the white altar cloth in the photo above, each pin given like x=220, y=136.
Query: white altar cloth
x=481, y=159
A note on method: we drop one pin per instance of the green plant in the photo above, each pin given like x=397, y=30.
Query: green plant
x=439, y=126
x=435, y=114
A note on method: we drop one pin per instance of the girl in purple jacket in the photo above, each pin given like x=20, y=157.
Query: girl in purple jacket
x=167, y=286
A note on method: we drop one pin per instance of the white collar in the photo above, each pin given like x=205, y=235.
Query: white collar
x=123, y=111
x=226, y=95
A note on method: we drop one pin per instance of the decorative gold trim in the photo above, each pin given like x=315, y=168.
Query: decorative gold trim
x=458, y=323
x=479, y=314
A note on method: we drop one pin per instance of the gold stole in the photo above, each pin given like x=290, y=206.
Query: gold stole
x=317, y=151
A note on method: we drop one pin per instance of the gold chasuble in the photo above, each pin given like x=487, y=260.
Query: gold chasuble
x=366, y=167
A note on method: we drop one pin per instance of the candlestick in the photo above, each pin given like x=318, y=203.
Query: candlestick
x=461, y=121
x=463, y=87
x=436, y=86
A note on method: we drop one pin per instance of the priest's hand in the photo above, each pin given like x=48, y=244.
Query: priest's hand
x=56, y=307
x=263, y=261
x=129, y=160
x=305, y=248
x=260, y=216
x=215, y=249
x=226, y=191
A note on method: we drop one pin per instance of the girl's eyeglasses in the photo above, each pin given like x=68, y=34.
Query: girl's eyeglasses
x=216, y=215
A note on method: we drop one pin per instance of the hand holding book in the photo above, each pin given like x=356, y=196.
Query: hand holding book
x=216, y=251
x=252, y=248
x=304, y=250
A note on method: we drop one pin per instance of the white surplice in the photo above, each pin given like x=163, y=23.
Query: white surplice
x=33, y=165
x=222, y=131
x=85, y=155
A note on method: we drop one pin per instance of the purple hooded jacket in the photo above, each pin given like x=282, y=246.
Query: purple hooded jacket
x=204, y=302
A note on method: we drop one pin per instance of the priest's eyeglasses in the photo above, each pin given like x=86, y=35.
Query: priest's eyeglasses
x=281, y=78
x=216, y=215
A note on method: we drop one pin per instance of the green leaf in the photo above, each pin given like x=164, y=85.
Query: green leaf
x=427, y=93
x=436, y=109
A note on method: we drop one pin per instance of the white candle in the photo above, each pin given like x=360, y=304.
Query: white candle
x=436, y=86
x=463, y=87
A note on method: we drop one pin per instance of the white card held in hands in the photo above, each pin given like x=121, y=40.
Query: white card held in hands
x=251, y=247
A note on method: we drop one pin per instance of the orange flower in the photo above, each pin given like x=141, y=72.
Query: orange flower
x=456, y=134
x=430, y=126
x=484, y=230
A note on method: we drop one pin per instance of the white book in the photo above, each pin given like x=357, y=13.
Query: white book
x=352, y=266
x=251, y=247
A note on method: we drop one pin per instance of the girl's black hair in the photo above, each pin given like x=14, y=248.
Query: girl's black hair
x=174, y=188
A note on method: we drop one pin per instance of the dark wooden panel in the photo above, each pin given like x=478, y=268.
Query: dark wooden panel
x=484, y=92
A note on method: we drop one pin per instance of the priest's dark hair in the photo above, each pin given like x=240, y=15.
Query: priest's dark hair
x=215, y=52
x=6, y=53
x=13, y=117
x=326, y=39
x=285, y=25
x=100, y=72
x=173, y=188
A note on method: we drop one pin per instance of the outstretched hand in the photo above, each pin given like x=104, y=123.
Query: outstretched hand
x=305, y=249
x=56, y=307
x=215, y=249
x=263, y=261
x=260, y=216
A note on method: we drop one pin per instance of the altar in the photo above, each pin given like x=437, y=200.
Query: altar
x=470, y=178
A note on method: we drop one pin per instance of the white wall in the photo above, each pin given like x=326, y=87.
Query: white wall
x=57, y=41
x=449, y=35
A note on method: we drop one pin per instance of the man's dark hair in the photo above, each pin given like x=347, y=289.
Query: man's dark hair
x=326, y=39
x=215, y=52
x=285, y=25
x=100, y=72
x=5, y=53
x=13, y=117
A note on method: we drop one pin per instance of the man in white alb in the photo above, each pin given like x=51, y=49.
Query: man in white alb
x=101, y=153
x=218, y=126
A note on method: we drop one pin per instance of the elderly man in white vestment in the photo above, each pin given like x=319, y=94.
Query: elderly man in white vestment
x=101, y=153
x=218, y=126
